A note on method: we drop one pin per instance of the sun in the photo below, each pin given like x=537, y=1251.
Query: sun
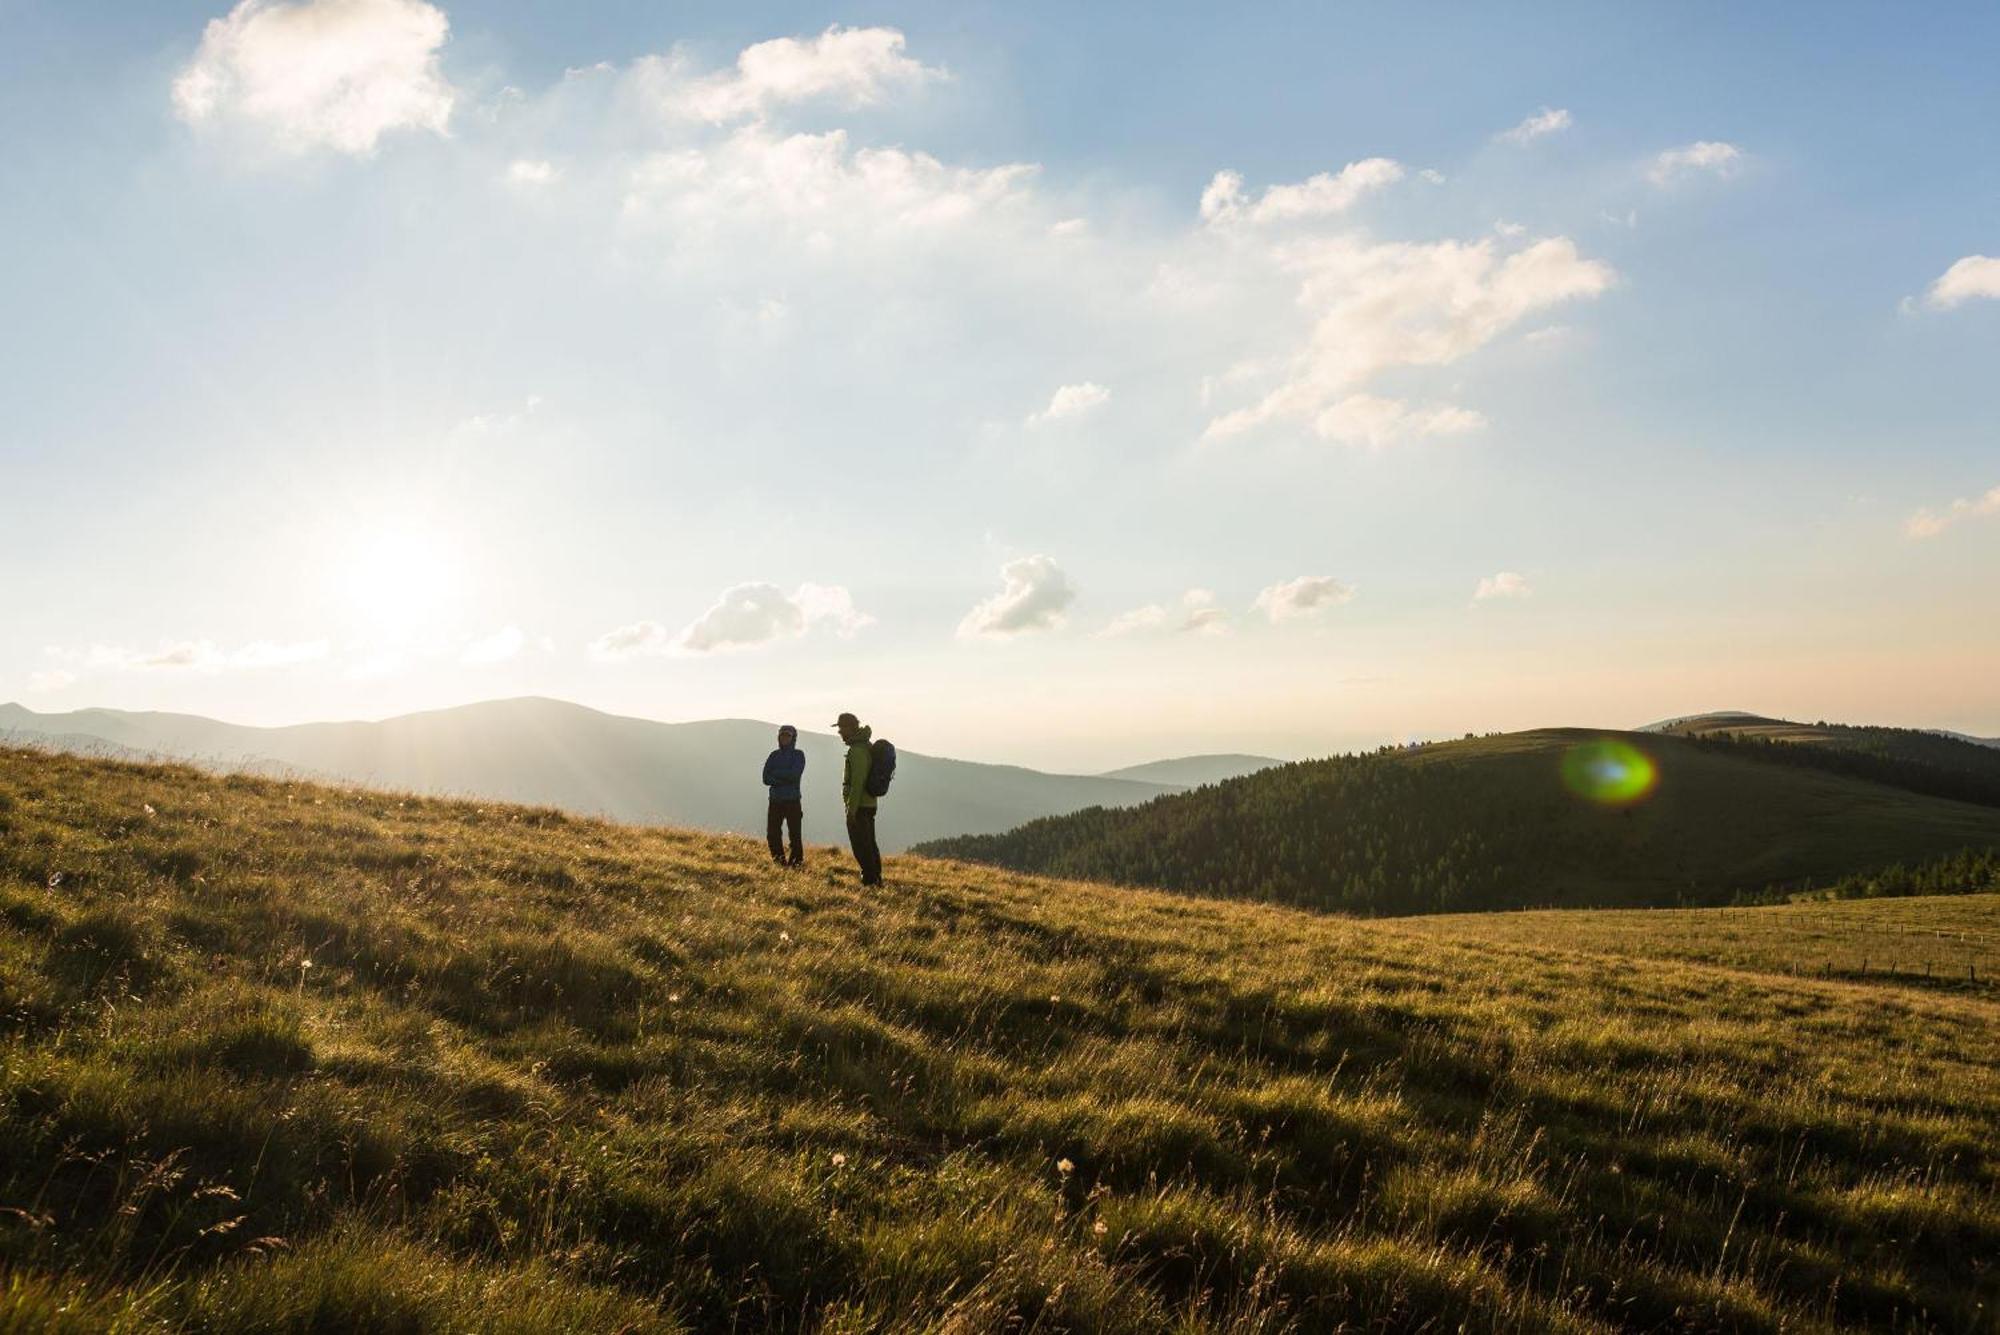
x=397, y=580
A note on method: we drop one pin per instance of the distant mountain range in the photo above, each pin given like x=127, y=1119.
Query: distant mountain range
x=552, y=753
x=1193, y=771
x=1740, y=806
x=1738, y=722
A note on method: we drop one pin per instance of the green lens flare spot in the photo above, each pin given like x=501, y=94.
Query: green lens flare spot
x=1609, y=772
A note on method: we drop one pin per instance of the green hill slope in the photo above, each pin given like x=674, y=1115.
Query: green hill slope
x=276, y=1057
x=1489, y=823
x=1964, y=769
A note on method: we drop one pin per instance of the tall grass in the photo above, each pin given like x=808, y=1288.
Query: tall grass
x=282, y=1057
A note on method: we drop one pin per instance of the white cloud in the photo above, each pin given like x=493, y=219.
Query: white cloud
x=1224, y=201
x=1930, y=523
x=1381, y=305
x=743, y=617
x=853, y=66
x=640, y=639
x=1151, y=616
x=1972, y=277
x=1367, y=419
x=1549, y=120
x=1199, y=614
x=1707, y=155
x=335, y=74
x=1506, y=584
x=201, y=656
x=831, y=605
x=501, y=645
x=41, y=683
x=531, y=173
x=810, y=183
x=1302, y=597
x=1071, y=401
x=1034, y=596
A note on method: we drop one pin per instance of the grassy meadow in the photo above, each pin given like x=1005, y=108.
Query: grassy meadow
x=275, y=1056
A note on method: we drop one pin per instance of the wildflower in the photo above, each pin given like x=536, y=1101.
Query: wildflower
x=1054, y=1000
x=840, y=1161
x=673, y=998
x=1098, y=1228
x=1065, y=1167
x=149, y=808
x=785, y=937
x=55, y=879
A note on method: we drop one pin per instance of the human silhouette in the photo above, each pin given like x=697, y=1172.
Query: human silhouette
x=784, y=768
x=860, y=803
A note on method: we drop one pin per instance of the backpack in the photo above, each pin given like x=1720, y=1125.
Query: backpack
x=881, y=766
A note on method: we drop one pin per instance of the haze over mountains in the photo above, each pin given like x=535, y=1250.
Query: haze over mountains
x=553, y=753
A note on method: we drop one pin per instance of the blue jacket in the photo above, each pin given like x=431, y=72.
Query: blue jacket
x=782, y=772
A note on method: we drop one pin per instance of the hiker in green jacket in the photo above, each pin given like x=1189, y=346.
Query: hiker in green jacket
x=859, y=801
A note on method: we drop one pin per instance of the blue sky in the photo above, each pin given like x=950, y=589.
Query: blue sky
x=1582, y=365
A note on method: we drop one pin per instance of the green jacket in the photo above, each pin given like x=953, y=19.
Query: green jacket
x=854, y=777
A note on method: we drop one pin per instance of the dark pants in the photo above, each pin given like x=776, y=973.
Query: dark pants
x=861, y=837
x=785, y=814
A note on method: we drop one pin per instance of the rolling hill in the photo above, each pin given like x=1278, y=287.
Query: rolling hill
x=284, y=1057
x=553, y=753
x=1193, y=771
x=1487, y=823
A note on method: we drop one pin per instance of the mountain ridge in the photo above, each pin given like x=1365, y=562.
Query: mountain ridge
x=535, y=749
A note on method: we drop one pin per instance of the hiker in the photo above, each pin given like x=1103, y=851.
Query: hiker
x=863, y=780
x=783, y=769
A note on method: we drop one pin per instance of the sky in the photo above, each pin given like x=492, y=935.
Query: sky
x=1055, y=384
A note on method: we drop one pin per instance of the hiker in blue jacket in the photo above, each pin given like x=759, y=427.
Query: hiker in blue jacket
x=783, y=770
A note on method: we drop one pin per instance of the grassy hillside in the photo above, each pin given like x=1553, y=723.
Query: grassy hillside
x=1950, y=943
x=1489, y=823
x=280, y=1057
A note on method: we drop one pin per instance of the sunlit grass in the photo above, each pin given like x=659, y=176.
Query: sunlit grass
x=278, y=1057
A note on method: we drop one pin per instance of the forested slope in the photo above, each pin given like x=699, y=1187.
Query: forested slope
x=1489, y=823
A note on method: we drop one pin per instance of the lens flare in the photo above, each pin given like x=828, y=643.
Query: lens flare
x=1609, y=772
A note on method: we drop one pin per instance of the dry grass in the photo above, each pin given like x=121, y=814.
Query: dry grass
x=281, y=1057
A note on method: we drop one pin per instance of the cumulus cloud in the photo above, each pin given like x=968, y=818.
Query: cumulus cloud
x=1549, y=120
x=1707, y=155
x=335, y=74
x=1972, y=277
x=1303, y=597
x=201, y=656
x=1071, y=401
x=743, y=617
x=1506, y=584
x=1368, y=419
x=639, y=639
x=1198, y=614
x=1930, y=523
x=1377, y=306
x=816, y=184
x=1035, y=595
x=501, y=645
x=851, y=66
x=1224, y=201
